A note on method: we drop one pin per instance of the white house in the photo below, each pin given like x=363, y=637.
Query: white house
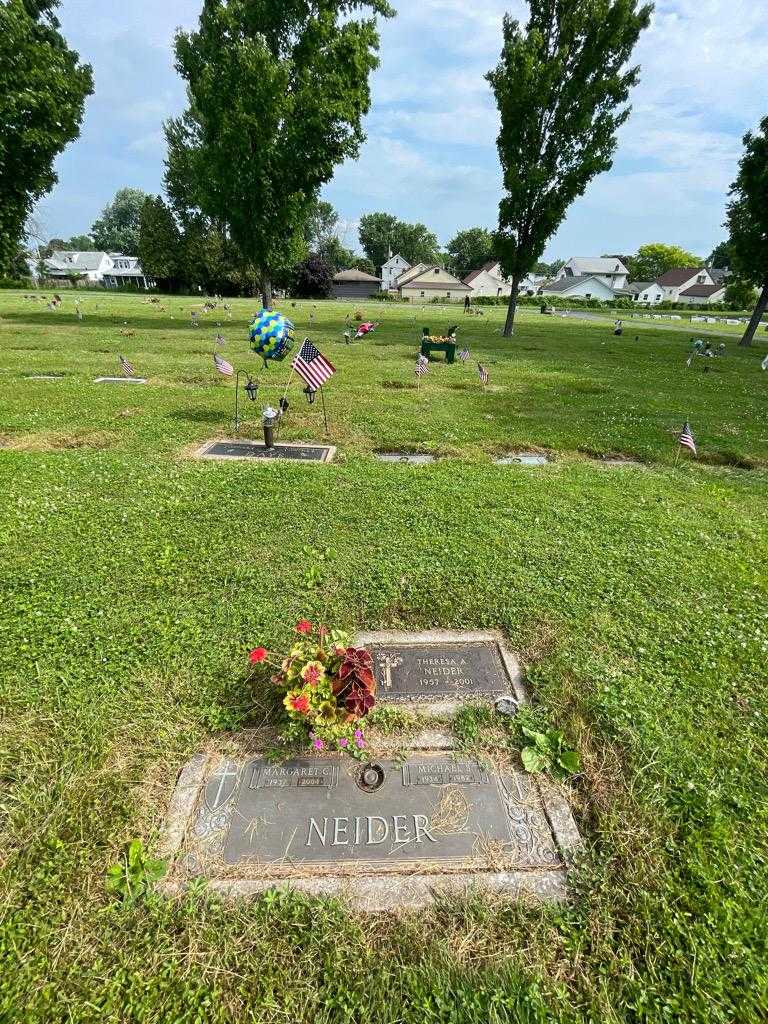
x=431, y=282
x=608, y=269
x=395, y=267
x=488, y=281
x=585, y=286
x=679, y=280
x=703, y=294
x=108, y=269
x=646, y=292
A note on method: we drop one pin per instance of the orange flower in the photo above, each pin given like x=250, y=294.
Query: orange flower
x=257, y=655
x=301, y=703
x=302, y=626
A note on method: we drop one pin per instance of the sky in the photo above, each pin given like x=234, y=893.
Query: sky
x=430, y=154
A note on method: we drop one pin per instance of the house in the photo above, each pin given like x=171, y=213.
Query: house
x=392, y=269
x=583, y=286
x=646, y=292
x=355, y=284
x=410, y=274
x=703, y=294
x=488, y=281
x=608, y=269
x=432, y=282
x=680, y=279
x=96, y=268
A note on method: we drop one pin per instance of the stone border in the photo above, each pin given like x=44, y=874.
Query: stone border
x=406, y=458
x=443, y=708
x=373, y=893
x=119, y=380
x=329, y=449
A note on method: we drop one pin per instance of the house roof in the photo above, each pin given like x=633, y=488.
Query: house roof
x=674, y=278
x=67, y=259
x=417, y=282
x=408, y=275
x=635, y=287
x=485, y=269
x=589, y=266
x=703, y=291
x=395, y=258
x=355, y=275
x=719, y=274
x=566, y=283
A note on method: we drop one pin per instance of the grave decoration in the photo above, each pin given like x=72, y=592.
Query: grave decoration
x=439, y=343
x=366, y=328
x=271, y=335
x=328, y=687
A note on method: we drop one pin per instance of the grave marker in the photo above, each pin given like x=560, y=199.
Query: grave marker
x=407, y=458
x=523, y=459
x=246, y=450
x=120, y=380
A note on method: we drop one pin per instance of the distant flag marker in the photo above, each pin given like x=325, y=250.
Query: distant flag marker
x=126, y=367
x=483, y=374
x=686, y=438
x=222, y=365
x=464, y=354
x=764, y=363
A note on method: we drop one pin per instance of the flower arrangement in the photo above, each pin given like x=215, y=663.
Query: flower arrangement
x=328, y=687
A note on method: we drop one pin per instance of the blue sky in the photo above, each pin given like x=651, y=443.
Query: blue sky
x=431, y=154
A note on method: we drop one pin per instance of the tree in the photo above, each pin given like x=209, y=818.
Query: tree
x=655, y=259
x=549, y=269
x=748, y=222
x=739, y=294
x=382, y=235
x=313, y=278
x=321, y=225
x=43, y=87
x=160, y=247
x=277, y=95
x=118, y=227
x=364, y=264
x=469, y=250
x=720, y=257
x=80, y=243
x=559, y=87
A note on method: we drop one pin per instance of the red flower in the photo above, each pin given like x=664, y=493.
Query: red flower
x=257, y=655
x=302, y=626
x=301, y=703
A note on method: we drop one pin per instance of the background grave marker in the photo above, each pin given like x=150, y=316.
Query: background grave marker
x=247, y=450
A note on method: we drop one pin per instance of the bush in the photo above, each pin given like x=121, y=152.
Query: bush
x=16, y=283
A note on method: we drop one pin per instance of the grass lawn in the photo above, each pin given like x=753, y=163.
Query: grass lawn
x=135, y=578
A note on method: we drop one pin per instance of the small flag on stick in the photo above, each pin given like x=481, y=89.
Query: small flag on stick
x=126, y=367
x=422, y=366
x=764, y=363
x=222, y=365
x=219, y=338
x=686, y=437
x=483, y=373
x=312, y=366
x=464, y=354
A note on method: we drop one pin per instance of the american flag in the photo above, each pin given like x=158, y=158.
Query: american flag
x=764, y=363
x=313, y=368
x=484, y=375
x=219, y=339
x=222, y=365
x=686, y=437
x=464, y=354
x=125, y=366
x=422, y=366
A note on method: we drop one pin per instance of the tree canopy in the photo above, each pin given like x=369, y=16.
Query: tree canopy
x=560, y=86
x=277, y=93
x=748, y=221
x=43, y=87
x=160, y=247
x=656, y=258
x=118, y=227
x=469, y=250
x=720, y=257
x=382, y=233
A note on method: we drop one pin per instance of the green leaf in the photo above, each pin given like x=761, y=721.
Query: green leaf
x=533, y=761
x=570, y=761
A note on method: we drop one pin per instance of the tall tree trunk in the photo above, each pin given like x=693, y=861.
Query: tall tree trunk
x=509, y=326
x=266, y=292
x=754, y=323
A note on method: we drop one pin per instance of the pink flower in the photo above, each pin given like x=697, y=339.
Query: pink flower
x=318, y=744
x=257, y=655
x=358, y=734
x=302, y=626
x=301, y=703
x=343, y=742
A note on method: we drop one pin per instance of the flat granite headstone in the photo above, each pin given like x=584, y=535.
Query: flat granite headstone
x=244, y=450
x=247, y=825
x=438, y=670
x=120, y=380
x=410, y=459
x=523, y=459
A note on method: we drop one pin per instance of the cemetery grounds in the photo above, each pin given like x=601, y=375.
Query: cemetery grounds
x=136, y=578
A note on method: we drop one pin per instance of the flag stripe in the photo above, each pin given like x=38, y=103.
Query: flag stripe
x=313, y=368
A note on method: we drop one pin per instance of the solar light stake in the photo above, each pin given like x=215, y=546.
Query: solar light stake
x=251, y=389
